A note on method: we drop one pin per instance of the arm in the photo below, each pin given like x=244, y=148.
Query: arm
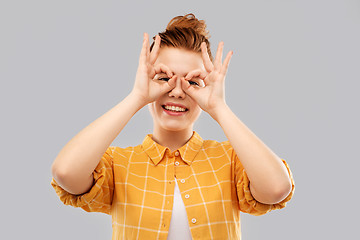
x=73, y=167
x=269, y=180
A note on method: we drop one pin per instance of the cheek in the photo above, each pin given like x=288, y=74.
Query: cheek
x=197, y=112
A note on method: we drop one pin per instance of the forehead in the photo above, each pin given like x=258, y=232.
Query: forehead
x=180, y=61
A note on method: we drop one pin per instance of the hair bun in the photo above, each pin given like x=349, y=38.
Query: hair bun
x=189, y=21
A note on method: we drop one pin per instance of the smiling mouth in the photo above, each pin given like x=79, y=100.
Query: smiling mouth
x=174, y=108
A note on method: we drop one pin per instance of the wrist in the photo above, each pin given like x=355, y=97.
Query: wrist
x=138, y=101
x=218, y=112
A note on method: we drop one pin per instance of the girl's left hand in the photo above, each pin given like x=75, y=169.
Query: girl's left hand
x=210, y=97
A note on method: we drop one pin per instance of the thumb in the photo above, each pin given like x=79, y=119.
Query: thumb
x=187, y=88
x=170, y=84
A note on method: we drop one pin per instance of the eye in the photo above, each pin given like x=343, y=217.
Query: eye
x=193, y=83
x=164, y=79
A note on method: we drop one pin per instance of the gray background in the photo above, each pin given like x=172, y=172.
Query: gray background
x=293, y=80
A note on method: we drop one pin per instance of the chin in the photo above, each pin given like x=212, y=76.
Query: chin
x=175, y=127
x=173, y=123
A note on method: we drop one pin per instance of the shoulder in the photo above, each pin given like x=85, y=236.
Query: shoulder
x=208, y=144
x=123, y=156
x=125, y=153
x=214, y=147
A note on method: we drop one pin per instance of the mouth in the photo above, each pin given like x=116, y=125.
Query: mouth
x=174, y=109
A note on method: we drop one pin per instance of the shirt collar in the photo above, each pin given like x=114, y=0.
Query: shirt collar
x=187, y=152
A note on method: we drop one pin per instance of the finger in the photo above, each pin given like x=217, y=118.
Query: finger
x=151, y=72
x=188, y=89
x=198, y=73
x=155, y=50
x=172, y=82
x=226, y=62
x=218, y=57
x=147, y=47
x=198, y=76
x=162, y=68
x=165, y=87
x=142, y=58
x=206, y=59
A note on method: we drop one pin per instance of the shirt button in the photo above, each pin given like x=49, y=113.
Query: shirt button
x=187, y=196
x=177, y=163
x=193, y=220
x=177, y=153
x=182, y=180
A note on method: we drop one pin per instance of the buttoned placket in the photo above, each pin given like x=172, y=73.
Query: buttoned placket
x=177, y=163
x=186, y=196
x=170, y=182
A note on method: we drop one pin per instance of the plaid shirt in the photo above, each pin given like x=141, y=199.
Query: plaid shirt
x=136, y=186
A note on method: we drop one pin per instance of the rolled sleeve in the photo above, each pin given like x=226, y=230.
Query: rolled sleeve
x=99, y=197
x=247, y=203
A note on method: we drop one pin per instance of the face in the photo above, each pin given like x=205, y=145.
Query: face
x=175, y=110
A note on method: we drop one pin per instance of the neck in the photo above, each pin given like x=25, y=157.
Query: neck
x=172, y=139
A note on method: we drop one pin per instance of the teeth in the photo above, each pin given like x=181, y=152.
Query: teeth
x=176, y=109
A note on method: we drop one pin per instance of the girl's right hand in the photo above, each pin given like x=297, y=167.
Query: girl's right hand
x=146, y=88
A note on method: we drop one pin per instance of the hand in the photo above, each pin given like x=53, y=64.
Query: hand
x=146, y=89
x=210, y=97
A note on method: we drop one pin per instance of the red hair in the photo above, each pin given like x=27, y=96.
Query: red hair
x=185, y=32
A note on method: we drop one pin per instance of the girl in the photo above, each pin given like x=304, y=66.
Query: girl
x=174, y=185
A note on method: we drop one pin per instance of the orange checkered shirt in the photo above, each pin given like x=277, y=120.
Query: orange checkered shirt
x=135, y=185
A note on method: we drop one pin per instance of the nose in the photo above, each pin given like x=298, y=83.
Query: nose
x=177, y=91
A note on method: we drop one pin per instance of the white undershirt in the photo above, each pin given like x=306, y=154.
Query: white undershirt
x=179, y=226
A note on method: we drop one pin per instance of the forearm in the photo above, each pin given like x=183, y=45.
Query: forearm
x=74, y=165
x=269, y=179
